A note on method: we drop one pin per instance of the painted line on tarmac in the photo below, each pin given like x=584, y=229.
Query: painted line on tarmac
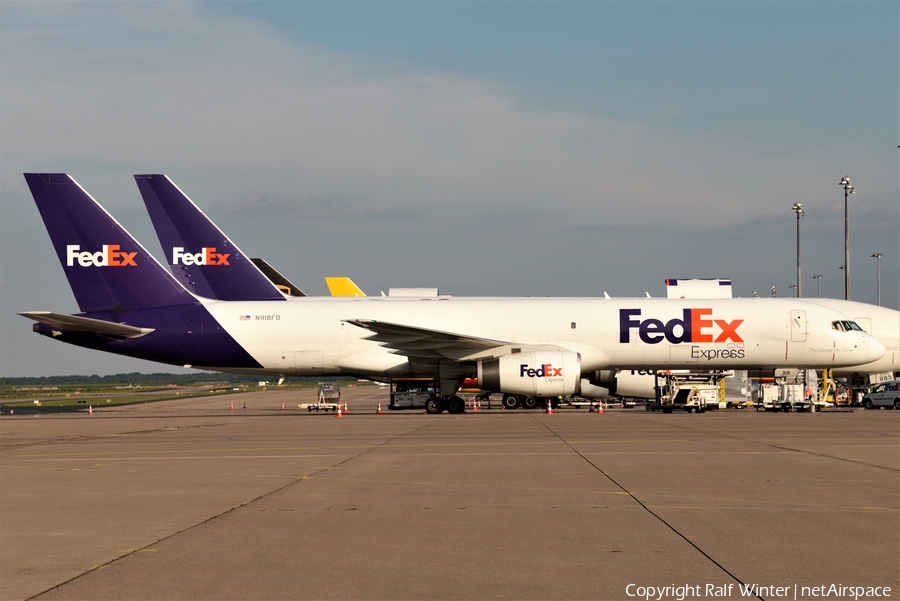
x=649, y=510
x=294, y=480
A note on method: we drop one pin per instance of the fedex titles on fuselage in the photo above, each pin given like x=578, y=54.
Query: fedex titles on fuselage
x=206, y=256
x=695, y=326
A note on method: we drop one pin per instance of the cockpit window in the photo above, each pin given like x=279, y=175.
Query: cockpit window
x=846, y=326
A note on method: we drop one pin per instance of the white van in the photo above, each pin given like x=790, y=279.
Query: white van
x=886, y=394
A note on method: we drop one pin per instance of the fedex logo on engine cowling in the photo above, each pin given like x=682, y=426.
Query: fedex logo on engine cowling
x=695, y=326
x=206, y=256
x=110, y=256
x=544, y=371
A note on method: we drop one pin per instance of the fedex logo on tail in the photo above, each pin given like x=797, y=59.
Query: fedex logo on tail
x=695, y=326
x=206, y=256
x=110, y=256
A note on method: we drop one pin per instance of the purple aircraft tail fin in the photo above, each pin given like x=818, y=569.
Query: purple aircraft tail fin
x=201, y=256
x=107, y=268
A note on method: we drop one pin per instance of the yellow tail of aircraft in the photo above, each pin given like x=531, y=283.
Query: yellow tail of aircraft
x=341, y=286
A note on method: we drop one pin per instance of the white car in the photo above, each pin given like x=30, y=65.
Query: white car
x=883, y=395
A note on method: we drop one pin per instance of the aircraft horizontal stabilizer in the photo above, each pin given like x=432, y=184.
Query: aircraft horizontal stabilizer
x=74, y=323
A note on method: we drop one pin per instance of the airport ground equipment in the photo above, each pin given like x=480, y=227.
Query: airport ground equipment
x=886, y=394
x=423, y=393
x=789, y=390
x=328, y=398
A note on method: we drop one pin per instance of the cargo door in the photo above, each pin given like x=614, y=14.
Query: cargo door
x=799, y=326
x=308, y=363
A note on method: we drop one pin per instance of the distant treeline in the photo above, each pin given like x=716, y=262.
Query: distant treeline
x=157, y=379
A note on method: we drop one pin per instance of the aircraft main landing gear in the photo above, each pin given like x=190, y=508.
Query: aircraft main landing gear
x=453, y=404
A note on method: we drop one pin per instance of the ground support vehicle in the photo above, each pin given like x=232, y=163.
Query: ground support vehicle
x=328, y=398
x=783, y=398
x=423, y=393
x=687, y=399
x=883, y=395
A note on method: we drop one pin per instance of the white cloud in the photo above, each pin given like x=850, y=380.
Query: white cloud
x=165, y=86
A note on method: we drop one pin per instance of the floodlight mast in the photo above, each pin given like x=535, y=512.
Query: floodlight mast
x=848, y=190
x=818, y=279
x=798, y=208
x=878, y=271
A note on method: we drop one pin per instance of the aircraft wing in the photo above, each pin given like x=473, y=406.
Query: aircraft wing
x=74, y=323
x=425, y=344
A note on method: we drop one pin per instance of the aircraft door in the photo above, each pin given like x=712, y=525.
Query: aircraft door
x=308, y=363
x=799, y=326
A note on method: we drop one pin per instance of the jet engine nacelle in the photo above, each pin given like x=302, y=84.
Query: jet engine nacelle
x=631, y=383
x=544, y=373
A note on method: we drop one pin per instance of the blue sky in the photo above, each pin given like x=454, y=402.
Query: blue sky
x=538, y=148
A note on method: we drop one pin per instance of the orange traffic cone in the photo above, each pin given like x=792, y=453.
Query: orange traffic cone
x=339, y=414
x=346, y=410
x=549, y=408
x=379, y=408
x=90, y=410
x=245, y=404
x=600, y=408
x=282, y=406
x=232, y=407
x=591, y=407
x=474, y=404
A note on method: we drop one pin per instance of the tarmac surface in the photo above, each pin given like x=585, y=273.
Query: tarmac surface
x=186, y=499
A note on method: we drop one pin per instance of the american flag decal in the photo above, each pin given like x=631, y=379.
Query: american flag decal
x=245, y=318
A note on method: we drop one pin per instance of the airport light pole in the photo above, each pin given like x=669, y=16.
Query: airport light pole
x=818, y=280
x=848, y=190
x=878, y=271
x=798, y=208
x=772, y=288
x=793, y=287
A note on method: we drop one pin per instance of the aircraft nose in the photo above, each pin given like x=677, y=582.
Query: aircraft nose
x=876, y=349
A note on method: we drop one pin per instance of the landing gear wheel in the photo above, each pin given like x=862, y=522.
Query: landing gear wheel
x=530, y=403
x=511, y=401
x=455, y=405
x=434, y=405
